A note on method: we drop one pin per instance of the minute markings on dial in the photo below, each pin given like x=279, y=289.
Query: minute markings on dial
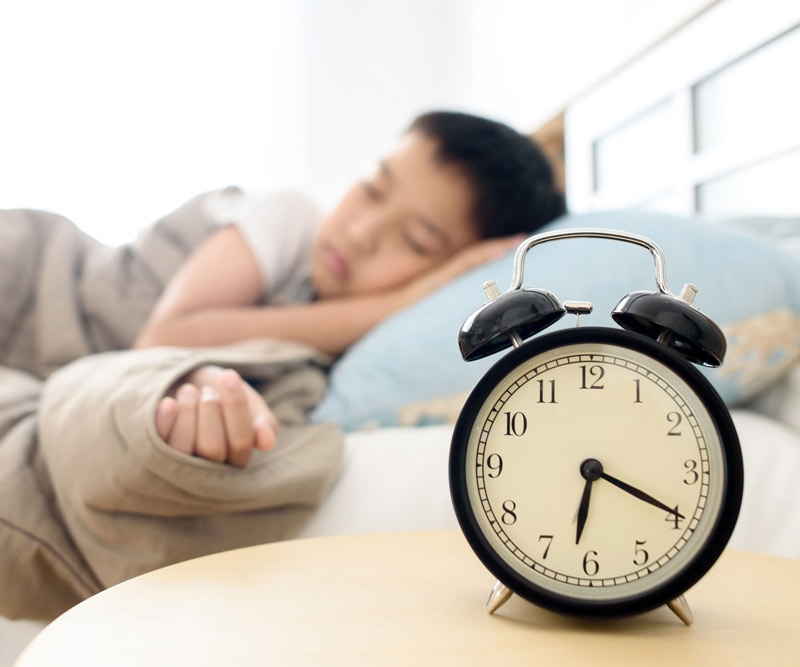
x=493, y=439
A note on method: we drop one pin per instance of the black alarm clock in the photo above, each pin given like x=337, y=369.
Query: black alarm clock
x=594, y=470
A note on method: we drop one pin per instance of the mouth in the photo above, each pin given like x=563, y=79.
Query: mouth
x=335, y=263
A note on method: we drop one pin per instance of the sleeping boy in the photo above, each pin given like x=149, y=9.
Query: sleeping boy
x=459, y=190
x=90, y=494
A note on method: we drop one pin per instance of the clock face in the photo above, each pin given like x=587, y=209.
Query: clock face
x=591, y=472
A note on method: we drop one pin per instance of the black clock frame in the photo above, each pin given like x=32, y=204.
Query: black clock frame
x=732, y=461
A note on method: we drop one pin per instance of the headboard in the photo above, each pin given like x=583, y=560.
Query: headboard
x=707, y=122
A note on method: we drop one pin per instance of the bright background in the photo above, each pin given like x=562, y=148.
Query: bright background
x=113, y=114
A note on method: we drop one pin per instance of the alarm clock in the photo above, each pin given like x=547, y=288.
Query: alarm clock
x=594, y=470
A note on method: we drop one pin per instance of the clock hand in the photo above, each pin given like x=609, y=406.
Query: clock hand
x=641, y=495
x=583, y=509
x=591, y=470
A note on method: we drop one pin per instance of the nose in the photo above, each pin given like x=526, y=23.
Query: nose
x=364, y=233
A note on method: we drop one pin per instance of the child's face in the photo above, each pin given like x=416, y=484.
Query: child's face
x=411, y=215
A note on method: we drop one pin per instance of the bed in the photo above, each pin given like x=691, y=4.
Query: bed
x=695, y=147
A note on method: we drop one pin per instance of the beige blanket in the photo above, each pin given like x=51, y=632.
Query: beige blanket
x=89, y=494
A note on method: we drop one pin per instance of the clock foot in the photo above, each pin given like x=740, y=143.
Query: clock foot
x=498, y=597
x=680, y=608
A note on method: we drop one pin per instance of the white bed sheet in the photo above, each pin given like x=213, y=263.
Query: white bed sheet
x=396, y=479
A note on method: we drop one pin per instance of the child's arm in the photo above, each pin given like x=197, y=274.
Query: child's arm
x=211, y=301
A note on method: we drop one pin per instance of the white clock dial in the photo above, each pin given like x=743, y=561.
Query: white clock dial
x=594, y=471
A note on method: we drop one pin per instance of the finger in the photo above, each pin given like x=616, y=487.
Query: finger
x=258, y=406
x=166, y=415
x=238, y=420
x=266, y=435
x=272, y=420
x=184, y=430
x=211, y=440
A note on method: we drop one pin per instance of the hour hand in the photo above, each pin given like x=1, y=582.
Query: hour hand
x=641, y=495
x=591, y=470
x=583, y=509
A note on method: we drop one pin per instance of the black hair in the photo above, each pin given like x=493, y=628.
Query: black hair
x=512, y=179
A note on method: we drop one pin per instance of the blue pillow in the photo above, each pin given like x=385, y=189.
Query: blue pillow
x=408, y=370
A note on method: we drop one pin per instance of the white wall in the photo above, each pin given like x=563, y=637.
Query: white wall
x=112, y=116
x=372, y=67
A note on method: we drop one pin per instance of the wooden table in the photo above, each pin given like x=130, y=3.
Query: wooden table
x=406, y=598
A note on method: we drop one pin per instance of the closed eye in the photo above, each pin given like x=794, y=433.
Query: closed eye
x=371, y=190
x=416, y=247
x=419, y=239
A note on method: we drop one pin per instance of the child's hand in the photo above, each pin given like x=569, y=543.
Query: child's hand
x=464, y=260
x=217, y=416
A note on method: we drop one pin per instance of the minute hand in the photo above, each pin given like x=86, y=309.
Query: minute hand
x=641, y=495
